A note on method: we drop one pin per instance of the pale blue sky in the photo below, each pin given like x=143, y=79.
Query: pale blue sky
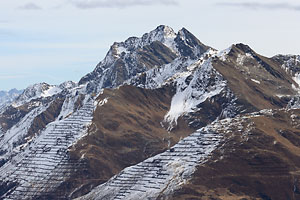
x=57, y=40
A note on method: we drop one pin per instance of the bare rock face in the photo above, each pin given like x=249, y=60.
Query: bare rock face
x=163, y=116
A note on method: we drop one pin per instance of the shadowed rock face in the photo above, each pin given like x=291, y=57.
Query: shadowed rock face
x=48, y=116
x=155, y=54
x=185, y=40
x=11, y=116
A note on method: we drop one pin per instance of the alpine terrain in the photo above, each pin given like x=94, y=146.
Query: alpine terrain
x=163, y=116
x=8, y=96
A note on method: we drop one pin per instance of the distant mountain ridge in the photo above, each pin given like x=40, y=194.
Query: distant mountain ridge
x=9, y=96
x=157, y=114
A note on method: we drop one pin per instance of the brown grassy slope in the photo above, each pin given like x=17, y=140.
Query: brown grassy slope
x=126, y=130
x=46, y=117
x=264, y=164
x=238, y=70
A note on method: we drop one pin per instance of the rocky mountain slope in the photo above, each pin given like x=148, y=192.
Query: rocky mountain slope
x=161, y=117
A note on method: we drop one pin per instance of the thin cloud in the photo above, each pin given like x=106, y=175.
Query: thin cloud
x=89, y=4
x=12, y=76
x=30, y=6
x=4, y=21
x=266, y=6
x=5, y=32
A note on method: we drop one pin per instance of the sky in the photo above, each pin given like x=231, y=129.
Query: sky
x=58, y=40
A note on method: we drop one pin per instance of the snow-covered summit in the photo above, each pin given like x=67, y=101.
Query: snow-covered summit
x=162, y=33
x=41, y=90
x=135, y=55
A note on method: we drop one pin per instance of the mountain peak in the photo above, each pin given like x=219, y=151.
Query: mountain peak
x=165, y=31
x=188, y=45
x=162, y=33
x=138, y=54
x=178, y=43
x=245, y=48
x=41, y=90
x=163, y=27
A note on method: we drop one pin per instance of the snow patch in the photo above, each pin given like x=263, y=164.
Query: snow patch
x=255, y=81
x=121, y=50
x=51, y=91
x=242, y=58
x=223, y=54
x=294, y=103
x=102, y=102
x=200, y=88
x=296, y=78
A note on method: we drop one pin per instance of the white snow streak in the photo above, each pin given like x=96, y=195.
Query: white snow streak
x=200, y=88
